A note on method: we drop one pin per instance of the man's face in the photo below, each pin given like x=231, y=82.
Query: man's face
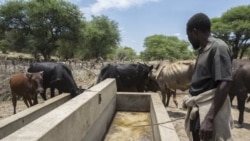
x=193, y=38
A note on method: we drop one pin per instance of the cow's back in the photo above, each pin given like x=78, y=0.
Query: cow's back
x=56, y=75
x=177, y=75
x=241, y=75
x=107, y=71
x=47, y=68
x=129, y=77
x=18, y=83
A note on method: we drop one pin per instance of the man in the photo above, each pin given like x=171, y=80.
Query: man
x=210, y=83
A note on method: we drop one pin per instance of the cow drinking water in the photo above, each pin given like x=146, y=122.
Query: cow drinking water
x=27, y=85
x=132, y=77
x=56, y=76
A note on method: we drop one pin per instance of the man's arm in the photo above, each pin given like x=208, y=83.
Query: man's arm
x=222, y=90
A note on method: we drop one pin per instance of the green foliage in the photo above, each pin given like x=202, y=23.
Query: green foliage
x=234, y=28
x=125, y=54
x=160, y=47
x=4, y=45
x=65, y=50
x=41, y=23
x=101, y=37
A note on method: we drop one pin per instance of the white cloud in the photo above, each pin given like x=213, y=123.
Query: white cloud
x=102, y=5
x=122, y=30
x=177, y=34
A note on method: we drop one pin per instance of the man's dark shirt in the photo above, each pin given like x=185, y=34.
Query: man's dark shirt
x=212, y=65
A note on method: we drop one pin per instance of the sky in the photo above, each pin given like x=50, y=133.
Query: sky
x=138, y=19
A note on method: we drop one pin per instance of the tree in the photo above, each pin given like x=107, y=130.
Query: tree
x=101, y=37
x=4, y=45
x=234, y=28
x=14, y=24
x=160, y=47
x=41, y=24
x=125, y=54
x=71, y=48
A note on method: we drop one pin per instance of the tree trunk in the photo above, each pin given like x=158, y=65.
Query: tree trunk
x=235, y=52
x=243, y=50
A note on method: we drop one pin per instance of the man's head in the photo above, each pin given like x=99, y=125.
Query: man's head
x=197, y=26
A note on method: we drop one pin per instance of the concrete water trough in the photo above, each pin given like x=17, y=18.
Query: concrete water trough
x=102, y=114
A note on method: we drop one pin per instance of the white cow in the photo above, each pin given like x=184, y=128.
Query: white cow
x=171, y=76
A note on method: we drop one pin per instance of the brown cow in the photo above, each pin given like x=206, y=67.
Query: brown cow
x=171, y=76
x=28, y=85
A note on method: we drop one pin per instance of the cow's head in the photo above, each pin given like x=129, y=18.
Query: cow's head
x=143, y=71
x=35, y=81
x=156, y=70
x=152, y=85
x=80, y=90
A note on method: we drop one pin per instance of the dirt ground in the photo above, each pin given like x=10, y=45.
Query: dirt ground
x=239, y=134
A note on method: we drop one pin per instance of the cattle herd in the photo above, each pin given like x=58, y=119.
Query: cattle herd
x=164, y=77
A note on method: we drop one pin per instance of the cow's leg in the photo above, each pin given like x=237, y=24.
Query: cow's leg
x=163, y=90
x=241, y=98
x=60, y=91
x=35, y=101
x=14, y=102
x=174, y=98
x=53, y=85
x=169, y=93
x=30, y=101
x=26, y=102
x=52, y=92
x=163, y=94
x=231, y=95
x=43, y=95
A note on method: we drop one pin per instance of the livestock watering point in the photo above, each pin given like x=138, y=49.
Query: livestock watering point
x=98, y=114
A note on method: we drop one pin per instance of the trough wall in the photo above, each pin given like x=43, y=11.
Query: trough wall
x=74, y=120
x=20, y=119
x=88, y=116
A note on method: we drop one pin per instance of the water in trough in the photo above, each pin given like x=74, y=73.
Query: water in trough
x=126, y=126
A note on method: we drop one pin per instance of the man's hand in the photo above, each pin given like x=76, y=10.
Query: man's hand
x=206, y=129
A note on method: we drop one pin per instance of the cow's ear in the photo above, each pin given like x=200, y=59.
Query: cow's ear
x=157, y=66
x=151, y=67
x=28, y=75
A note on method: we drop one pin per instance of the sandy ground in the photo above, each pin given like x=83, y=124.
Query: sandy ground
x=239, y=134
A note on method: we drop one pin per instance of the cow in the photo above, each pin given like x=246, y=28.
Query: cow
x=171, y=76
x=130, y=77
x=27, y=85
x=56, y=76
x=240, y=86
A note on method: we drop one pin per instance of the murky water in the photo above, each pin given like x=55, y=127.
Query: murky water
x=126, y=126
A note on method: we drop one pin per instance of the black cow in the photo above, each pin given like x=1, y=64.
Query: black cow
x=56, y=76
x=240, y=86
x=132, y=77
